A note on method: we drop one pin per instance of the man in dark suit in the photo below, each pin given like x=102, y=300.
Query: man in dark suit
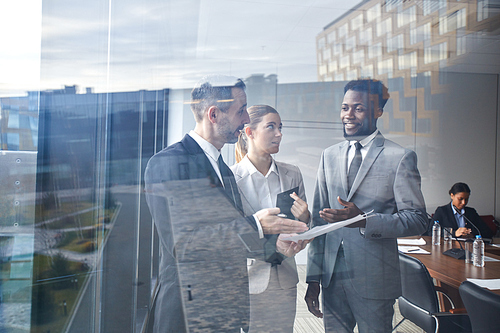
x=358, y=266
x=197, y=210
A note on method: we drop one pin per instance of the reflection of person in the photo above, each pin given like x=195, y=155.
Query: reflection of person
x=203, y=283
x=452, y=215
x=358, y=266
x=273, y=288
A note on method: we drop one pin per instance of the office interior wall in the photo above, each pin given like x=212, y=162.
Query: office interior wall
x=465, y=146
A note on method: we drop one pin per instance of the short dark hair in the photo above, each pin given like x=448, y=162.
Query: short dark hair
x=372, y=87
x=459, y=187
x=214, y=90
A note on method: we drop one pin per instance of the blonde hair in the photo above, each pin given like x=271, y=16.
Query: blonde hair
x=256, y=113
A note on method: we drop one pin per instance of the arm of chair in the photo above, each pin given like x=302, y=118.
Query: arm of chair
x=453, y=323
x=441, y=291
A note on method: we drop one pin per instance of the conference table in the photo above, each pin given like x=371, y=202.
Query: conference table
x=450, y=272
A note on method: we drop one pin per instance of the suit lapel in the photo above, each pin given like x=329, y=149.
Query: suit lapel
x=245, y=181
x=200, y=160
x=203, y=166
x=342, y=166
x=372, y=154
x=285, y=180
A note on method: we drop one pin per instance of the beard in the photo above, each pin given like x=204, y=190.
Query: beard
x=225, y=131
x=365, y=130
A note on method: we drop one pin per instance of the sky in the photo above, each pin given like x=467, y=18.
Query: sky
x=20, y=23
x=154, y=44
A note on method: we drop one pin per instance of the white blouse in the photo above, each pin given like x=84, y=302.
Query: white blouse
x=261, y=191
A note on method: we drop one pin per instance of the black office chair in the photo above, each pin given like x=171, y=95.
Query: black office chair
x=419, y=302
x=483, y=307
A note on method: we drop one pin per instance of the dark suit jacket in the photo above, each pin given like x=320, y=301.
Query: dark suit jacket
x=202, y=275
x=388, y=182
x=444, y=214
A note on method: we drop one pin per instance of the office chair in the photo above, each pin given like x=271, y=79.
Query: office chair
x=483, y=307
x=490, y=221
x=419, y=302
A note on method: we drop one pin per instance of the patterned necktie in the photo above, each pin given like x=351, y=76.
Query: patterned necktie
x=355, y=164
x=229, y=185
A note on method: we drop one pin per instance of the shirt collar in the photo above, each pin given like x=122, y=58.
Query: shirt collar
x=364, y=142
x=207, y=147
x=252, y=169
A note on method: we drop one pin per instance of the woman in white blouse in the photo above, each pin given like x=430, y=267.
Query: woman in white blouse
x=273, y=289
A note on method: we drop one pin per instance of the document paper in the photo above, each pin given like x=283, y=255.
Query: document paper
x=407, y=241
x=491, y=284
x=412, y=249
x=326, y=228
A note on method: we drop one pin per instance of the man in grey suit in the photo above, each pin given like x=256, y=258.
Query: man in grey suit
x=358, y=266
x=197, y=210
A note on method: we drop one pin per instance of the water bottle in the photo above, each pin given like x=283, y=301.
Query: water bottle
x=436, y=233
x=478, y=252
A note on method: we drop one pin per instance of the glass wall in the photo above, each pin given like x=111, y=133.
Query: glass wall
x=91, y=90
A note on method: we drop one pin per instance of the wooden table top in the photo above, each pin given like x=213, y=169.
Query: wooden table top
x=453, y=271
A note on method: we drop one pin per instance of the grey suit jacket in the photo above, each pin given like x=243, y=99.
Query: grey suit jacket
x=388, y=182
x=202, y=275
x=258, y=270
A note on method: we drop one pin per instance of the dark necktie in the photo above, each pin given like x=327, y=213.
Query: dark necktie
x=229, y=185
x=355, y=164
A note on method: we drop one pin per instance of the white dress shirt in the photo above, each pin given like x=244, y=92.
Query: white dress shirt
x=366, y=143
x=264, y=188
x=211, y=152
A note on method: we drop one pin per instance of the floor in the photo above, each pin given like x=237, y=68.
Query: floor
x=305, y=322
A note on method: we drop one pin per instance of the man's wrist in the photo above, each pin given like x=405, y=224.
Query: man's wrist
x=259, y=226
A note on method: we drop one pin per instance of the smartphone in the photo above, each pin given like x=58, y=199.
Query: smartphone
x=284, y=202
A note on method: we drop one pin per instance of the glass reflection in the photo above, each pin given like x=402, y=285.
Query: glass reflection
x=78, y=249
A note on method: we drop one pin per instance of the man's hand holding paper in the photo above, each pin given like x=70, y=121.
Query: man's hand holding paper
x=273, y=224
x=336, y=215
x=290, y=248
x=326, y=228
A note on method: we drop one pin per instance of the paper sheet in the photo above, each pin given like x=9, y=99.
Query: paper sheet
x=323, y=229
x=412, y=250
x=404, y=241
x=491, y=284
